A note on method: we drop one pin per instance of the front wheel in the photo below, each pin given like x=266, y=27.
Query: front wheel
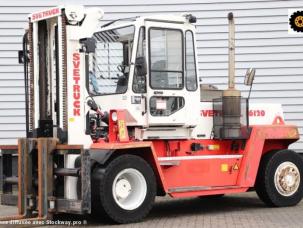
x=125, y=190
x=279, y=182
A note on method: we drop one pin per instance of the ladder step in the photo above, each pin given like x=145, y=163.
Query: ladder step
x=11, y=180
x=169, y=163
x=67, y=172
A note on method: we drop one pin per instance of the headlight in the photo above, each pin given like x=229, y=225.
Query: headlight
x=114, y=116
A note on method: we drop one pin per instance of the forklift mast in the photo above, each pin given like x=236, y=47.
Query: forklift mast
x=53, y=67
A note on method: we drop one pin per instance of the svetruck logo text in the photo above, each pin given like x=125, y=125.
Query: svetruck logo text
x=76, y=84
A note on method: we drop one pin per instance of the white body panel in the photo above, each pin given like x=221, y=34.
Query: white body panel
x=76, y=123
x=260, y=114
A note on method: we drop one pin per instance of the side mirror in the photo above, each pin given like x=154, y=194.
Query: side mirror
x=23, y=56
x=249, y=76
x=141, y=66
x=88, y=45
x=20, y=56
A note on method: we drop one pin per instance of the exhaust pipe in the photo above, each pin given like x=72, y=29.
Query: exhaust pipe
x=231, y=99
x=231, y=90
x=231, y=51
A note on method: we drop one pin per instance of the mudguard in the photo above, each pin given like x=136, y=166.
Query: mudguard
x=100, y=156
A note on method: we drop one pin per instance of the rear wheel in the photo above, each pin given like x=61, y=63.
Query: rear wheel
x=125, y=190
x=279, y=182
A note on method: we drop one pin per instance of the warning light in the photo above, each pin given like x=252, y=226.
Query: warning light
x=213, y=147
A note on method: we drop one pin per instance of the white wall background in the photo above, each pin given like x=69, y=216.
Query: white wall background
x=261, y=38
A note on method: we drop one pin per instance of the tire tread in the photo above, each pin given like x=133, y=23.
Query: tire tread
x=265, y=188
x=104, y=181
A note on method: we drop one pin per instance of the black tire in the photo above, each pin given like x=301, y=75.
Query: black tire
x=296, y=21
x=103, y=199
x=266, y=187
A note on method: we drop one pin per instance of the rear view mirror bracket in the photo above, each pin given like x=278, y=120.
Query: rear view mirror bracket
x=249, y=79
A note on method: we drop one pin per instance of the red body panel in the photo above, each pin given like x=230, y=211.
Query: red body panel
x=278, y=135
x=216, y=166
x=118, y=129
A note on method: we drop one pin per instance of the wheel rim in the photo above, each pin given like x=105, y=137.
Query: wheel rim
x=129, y=189
x=287, y=178
x=299, y=21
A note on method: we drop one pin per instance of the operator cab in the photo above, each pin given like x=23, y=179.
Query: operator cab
x=147, y=67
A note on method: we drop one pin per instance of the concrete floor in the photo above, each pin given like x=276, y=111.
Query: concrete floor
x=241, y=210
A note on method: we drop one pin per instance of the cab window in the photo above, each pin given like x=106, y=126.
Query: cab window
x=190, y=62
x=109, y=65
x=139, y=81
x=166, y=61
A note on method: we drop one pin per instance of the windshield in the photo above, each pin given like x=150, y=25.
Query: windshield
x=109, y=65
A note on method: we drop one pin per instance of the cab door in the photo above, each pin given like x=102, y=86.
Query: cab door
x=165, y=90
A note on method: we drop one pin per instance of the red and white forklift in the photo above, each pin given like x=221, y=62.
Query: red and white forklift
x=115, y=116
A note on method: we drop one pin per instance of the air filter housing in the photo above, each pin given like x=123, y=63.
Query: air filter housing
x=231, y=119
